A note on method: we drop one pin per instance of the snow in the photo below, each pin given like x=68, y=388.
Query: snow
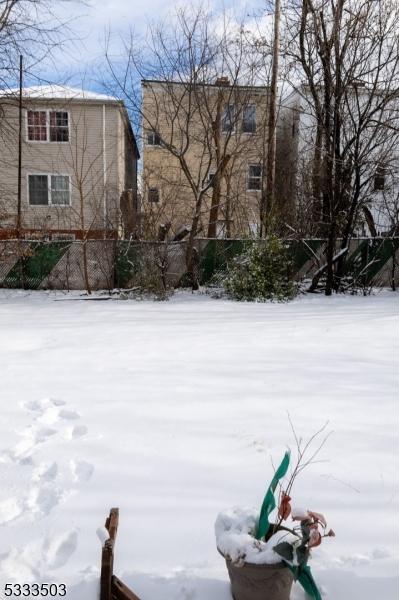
x=59, y=92
x=173, y=411
x=235, y=529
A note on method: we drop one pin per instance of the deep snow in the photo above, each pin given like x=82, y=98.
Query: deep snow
x=172, y=411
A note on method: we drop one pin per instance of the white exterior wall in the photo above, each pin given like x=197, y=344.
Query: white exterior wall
x=384, y=205
x=93, y=158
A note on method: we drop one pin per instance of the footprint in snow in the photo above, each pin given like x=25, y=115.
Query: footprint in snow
x=78, y=431
x=40, y=406
x=32, y=561
x=46, y=412
x=57, y=552
x=48, y=484
x=32, y=436
x=45, y=472
x=42, y=499
x=81, y=470
x=10, y=509
x=69, y=415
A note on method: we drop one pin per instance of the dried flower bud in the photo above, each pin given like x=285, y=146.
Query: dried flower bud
x=331, y=533
x=284, y=510
x=314, y=538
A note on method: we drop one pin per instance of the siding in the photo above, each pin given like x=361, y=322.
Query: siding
x=82, y=158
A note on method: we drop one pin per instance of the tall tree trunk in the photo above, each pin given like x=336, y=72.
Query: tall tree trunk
x=228, y=206
x=317, y=208
x=85, y=267
x=330, y=260
x=190, y=252
x=269, y=197
x=216, y=195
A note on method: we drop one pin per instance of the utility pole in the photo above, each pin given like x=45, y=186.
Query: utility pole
x=268, y=199
x=19, y=205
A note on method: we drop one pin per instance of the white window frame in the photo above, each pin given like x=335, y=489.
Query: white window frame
x=49, y=175
x=232, y=121
x=47, y=111
x=249, y=177
x=154, y=133
x=27, y=126
x=253, y=132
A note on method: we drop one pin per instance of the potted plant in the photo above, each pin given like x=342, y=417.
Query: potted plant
x=263, y=558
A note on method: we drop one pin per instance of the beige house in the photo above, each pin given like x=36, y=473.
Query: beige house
x=79, y=159
x=204, y=148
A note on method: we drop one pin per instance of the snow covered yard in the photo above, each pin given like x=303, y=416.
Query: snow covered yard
x=172, y=411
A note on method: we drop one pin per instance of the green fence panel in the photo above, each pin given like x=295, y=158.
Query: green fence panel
x=216, y=254
x=303, y=251
x=36, y=263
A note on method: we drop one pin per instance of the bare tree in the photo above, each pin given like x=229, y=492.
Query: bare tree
x=32, y=28
x=191, y=112
x=346, y=57
x=269, y=196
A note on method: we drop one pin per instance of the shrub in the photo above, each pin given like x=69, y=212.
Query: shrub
x=142, y=272
x=263, y=272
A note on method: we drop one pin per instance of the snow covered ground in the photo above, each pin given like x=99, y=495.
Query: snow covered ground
x=172, y=411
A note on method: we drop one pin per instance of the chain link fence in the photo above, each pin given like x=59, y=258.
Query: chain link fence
x=156, y=266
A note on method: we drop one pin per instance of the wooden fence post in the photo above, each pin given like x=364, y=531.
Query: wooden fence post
x=112, y=588
x=107, y=557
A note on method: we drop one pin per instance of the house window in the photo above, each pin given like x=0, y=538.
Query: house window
x=254, y=177
x=153, y=138
x=211, y=177
x=379, y=178
x=59, y=127
x=60, y=192
x=153, y=194
x=249, y=119
x=228, y=119
x=37, y=125
x=46, y=190
x=48, y=126
x=38, y=190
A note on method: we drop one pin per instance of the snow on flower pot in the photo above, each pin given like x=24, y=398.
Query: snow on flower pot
x=259, y=582
x=264, y=558
x=256, y=572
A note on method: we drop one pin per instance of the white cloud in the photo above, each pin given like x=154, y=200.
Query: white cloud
x=89, y=23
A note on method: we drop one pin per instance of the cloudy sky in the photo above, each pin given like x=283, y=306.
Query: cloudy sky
x=82, y=58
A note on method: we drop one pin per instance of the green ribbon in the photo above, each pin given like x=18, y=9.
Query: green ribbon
x=269, y=502
x=304, y=575
x=301, y=573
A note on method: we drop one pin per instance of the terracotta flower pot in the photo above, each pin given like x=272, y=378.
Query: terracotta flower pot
x=260, y=582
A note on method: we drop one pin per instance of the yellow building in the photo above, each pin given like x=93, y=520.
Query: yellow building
x=204, y=148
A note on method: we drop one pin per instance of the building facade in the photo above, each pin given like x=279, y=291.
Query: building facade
x=300, y=166
x=78, y=158
x=204, y=148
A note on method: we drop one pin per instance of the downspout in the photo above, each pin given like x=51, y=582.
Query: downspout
x=104, y=177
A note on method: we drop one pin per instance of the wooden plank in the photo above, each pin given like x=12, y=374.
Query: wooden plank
x=120, y=591
x=112, y=523
x=107, y=566
x=107, y=555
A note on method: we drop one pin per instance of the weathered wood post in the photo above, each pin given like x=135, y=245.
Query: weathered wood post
x=112, y=588
x=107, y=557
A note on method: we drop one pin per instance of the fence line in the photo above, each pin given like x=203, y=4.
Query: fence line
x=105, y=264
